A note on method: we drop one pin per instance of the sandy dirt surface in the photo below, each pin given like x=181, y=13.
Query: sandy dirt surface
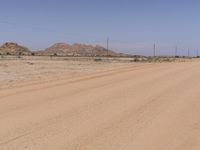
x=19, y=72
x=139, y=107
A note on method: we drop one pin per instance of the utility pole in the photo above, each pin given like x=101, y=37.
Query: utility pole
x=108, y=46
x=154, y=50
x=197, y=53
x=176, y=51
x=188, y=52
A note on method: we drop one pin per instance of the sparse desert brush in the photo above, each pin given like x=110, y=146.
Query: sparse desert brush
x=1, y=55
x=97, y=59
x=136, y=59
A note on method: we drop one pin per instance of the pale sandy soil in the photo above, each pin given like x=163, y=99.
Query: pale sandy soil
x=138, y=107
x=18, y=72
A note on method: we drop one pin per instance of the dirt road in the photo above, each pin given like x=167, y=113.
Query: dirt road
x=144, y=107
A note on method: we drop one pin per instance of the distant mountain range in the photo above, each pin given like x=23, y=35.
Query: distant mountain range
x=59, y=49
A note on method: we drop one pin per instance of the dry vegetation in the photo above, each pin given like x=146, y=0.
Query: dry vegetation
x=15, y=70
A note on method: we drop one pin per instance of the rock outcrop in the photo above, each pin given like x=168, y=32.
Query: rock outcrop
x=63, y=49
x=59, y=49
x=10, y=48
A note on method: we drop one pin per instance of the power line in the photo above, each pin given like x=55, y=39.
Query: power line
x=28, y=27
x=36, y=28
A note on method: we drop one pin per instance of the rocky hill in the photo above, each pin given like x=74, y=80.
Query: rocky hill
x=62, y=49
x=59, y=49
x=10, y=48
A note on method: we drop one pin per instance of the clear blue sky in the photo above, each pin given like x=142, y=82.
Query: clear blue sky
x=132, y=25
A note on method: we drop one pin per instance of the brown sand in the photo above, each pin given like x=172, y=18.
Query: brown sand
x=139, y=107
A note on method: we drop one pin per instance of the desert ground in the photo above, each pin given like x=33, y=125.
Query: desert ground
x=17, y=72
x=89, y=105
